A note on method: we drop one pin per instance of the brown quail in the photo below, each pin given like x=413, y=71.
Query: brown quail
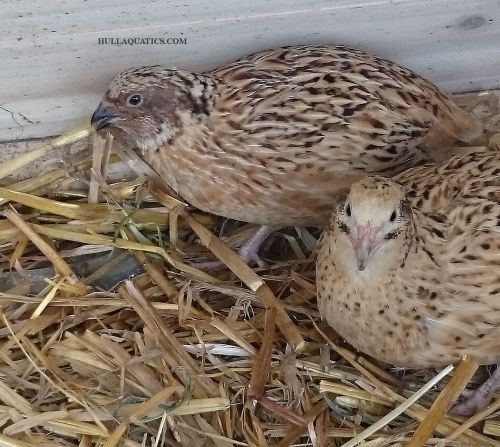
x=273, y=137
x=408, y=268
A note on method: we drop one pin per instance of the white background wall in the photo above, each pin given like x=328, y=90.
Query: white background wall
x=53, y=72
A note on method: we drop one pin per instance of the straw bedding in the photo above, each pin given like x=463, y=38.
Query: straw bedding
x=109, y=336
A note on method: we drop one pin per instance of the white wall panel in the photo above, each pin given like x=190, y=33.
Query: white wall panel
x=53, y=71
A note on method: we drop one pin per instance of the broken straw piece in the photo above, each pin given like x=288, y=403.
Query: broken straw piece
x=12, y=165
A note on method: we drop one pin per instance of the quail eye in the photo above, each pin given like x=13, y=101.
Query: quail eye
x=134, y=100
x=348, y=210
x=393, y=216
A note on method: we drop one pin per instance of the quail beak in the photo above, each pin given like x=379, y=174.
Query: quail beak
x=102, y=118
x=366, y=241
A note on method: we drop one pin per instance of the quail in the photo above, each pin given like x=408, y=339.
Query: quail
x=408, y=267
x=275, y=136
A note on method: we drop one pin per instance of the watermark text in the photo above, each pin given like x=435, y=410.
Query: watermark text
x=131, y=41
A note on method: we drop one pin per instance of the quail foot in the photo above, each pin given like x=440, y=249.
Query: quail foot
x=249, y=251
x=408, y=268
x=274, y=137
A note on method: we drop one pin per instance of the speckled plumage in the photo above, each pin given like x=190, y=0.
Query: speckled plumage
x=273, y=137
x=430, y=292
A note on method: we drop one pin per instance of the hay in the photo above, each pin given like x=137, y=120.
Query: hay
x=111, y=337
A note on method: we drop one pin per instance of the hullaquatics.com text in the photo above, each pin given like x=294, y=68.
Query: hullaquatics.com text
x=131, y=41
